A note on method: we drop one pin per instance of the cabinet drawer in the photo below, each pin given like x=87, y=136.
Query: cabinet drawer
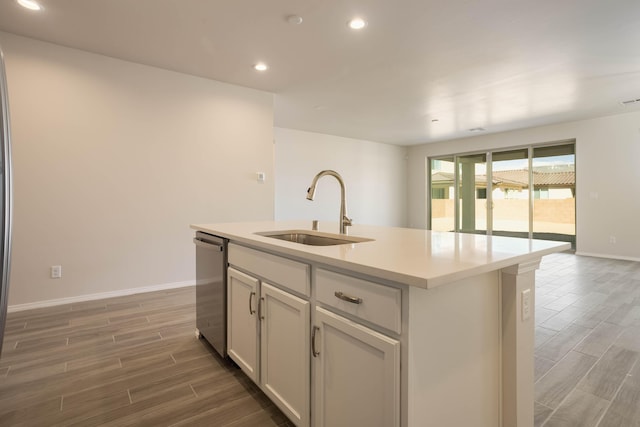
x=378, y=304
x=280, y=271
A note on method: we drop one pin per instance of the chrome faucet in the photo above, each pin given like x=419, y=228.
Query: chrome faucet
x=345, y=221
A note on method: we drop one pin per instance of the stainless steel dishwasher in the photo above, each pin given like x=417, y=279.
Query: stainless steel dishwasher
x=211, y=290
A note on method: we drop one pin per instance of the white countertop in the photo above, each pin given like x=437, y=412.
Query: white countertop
x=413, y=257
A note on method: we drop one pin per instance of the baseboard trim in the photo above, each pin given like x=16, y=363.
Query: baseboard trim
x=101, y=295
x=620, y=257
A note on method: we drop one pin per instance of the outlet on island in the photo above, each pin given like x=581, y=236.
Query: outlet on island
x=526, y=304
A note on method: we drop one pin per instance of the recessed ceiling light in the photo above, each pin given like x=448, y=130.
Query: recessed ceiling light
x=261, y=66
x=29, y=4
x=357, y=23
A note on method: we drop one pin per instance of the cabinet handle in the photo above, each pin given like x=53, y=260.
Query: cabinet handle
x=313, y=342
x=260, y=308
x=251, y=310
x=347, y=298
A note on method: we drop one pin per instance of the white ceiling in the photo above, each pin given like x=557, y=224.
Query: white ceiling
x=496, y=64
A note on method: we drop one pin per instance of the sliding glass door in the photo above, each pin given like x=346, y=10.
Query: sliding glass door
x=472, y=193
x=554, y=192
x=442, y=216
x=521, y=192
x=510, y=195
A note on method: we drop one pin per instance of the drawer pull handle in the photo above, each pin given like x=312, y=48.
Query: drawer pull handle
x=347, y=298
x=313, y=342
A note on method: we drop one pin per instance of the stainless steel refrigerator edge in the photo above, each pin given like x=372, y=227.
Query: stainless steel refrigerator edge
x=5, y=198
x=211, y=290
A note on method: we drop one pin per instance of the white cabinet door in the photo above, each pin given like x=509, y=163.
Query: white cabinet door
x=285, y=355
x=357, y=374
x=242, y=326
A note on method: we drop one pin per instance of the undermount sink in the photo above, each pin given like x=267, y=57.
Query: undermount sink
x=313, y=238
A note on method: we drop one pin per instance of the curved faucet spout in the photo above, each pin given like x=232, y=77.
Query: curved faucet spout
x=345, y=221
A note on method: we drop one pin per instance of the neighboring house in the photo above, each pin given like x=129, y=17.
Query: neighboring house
x=553, y=212
x=550, y=182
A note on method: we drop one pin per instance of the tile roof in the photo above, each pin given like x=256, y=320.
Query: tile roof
x=518, y=178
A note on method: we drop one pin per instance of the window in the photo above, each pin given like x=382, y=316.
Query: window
x=520, y=192
x=554, y=184
x=442, y=190
x=438, y=193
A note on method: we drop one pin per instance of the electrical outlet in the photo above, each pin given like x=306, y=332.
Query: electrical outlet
x=56, y=271
x=526, y=304
x=612, y=240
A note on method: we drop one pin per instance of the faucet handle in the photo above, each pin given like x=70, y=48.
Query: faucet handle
x=346, y=221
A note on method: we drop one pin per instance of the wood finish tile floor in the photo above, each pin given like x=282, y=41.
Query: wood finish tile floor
x=587, y=356
x=126, y=361
x=135, y=360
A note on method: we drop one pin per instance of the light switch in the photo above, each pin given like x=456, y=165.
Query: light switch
x=262, y=177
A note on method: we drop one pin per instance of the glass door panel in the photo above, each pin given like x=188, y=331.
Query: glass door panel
x=442, y=194
x=510, y=193
x=531, y=191
x=472, y=193
x=554, y=193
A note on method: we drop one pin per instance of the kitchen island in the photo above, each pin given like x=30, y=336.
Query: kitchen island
x=410, y=328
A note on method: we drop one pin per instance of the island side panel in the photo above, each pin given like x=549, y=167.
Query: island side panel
x=518, y=340
x=454, y=354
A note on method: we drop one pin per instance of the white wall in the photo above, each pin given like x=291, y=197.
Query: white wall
x=112, y=162
x=374, y=174
x=607, y=177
